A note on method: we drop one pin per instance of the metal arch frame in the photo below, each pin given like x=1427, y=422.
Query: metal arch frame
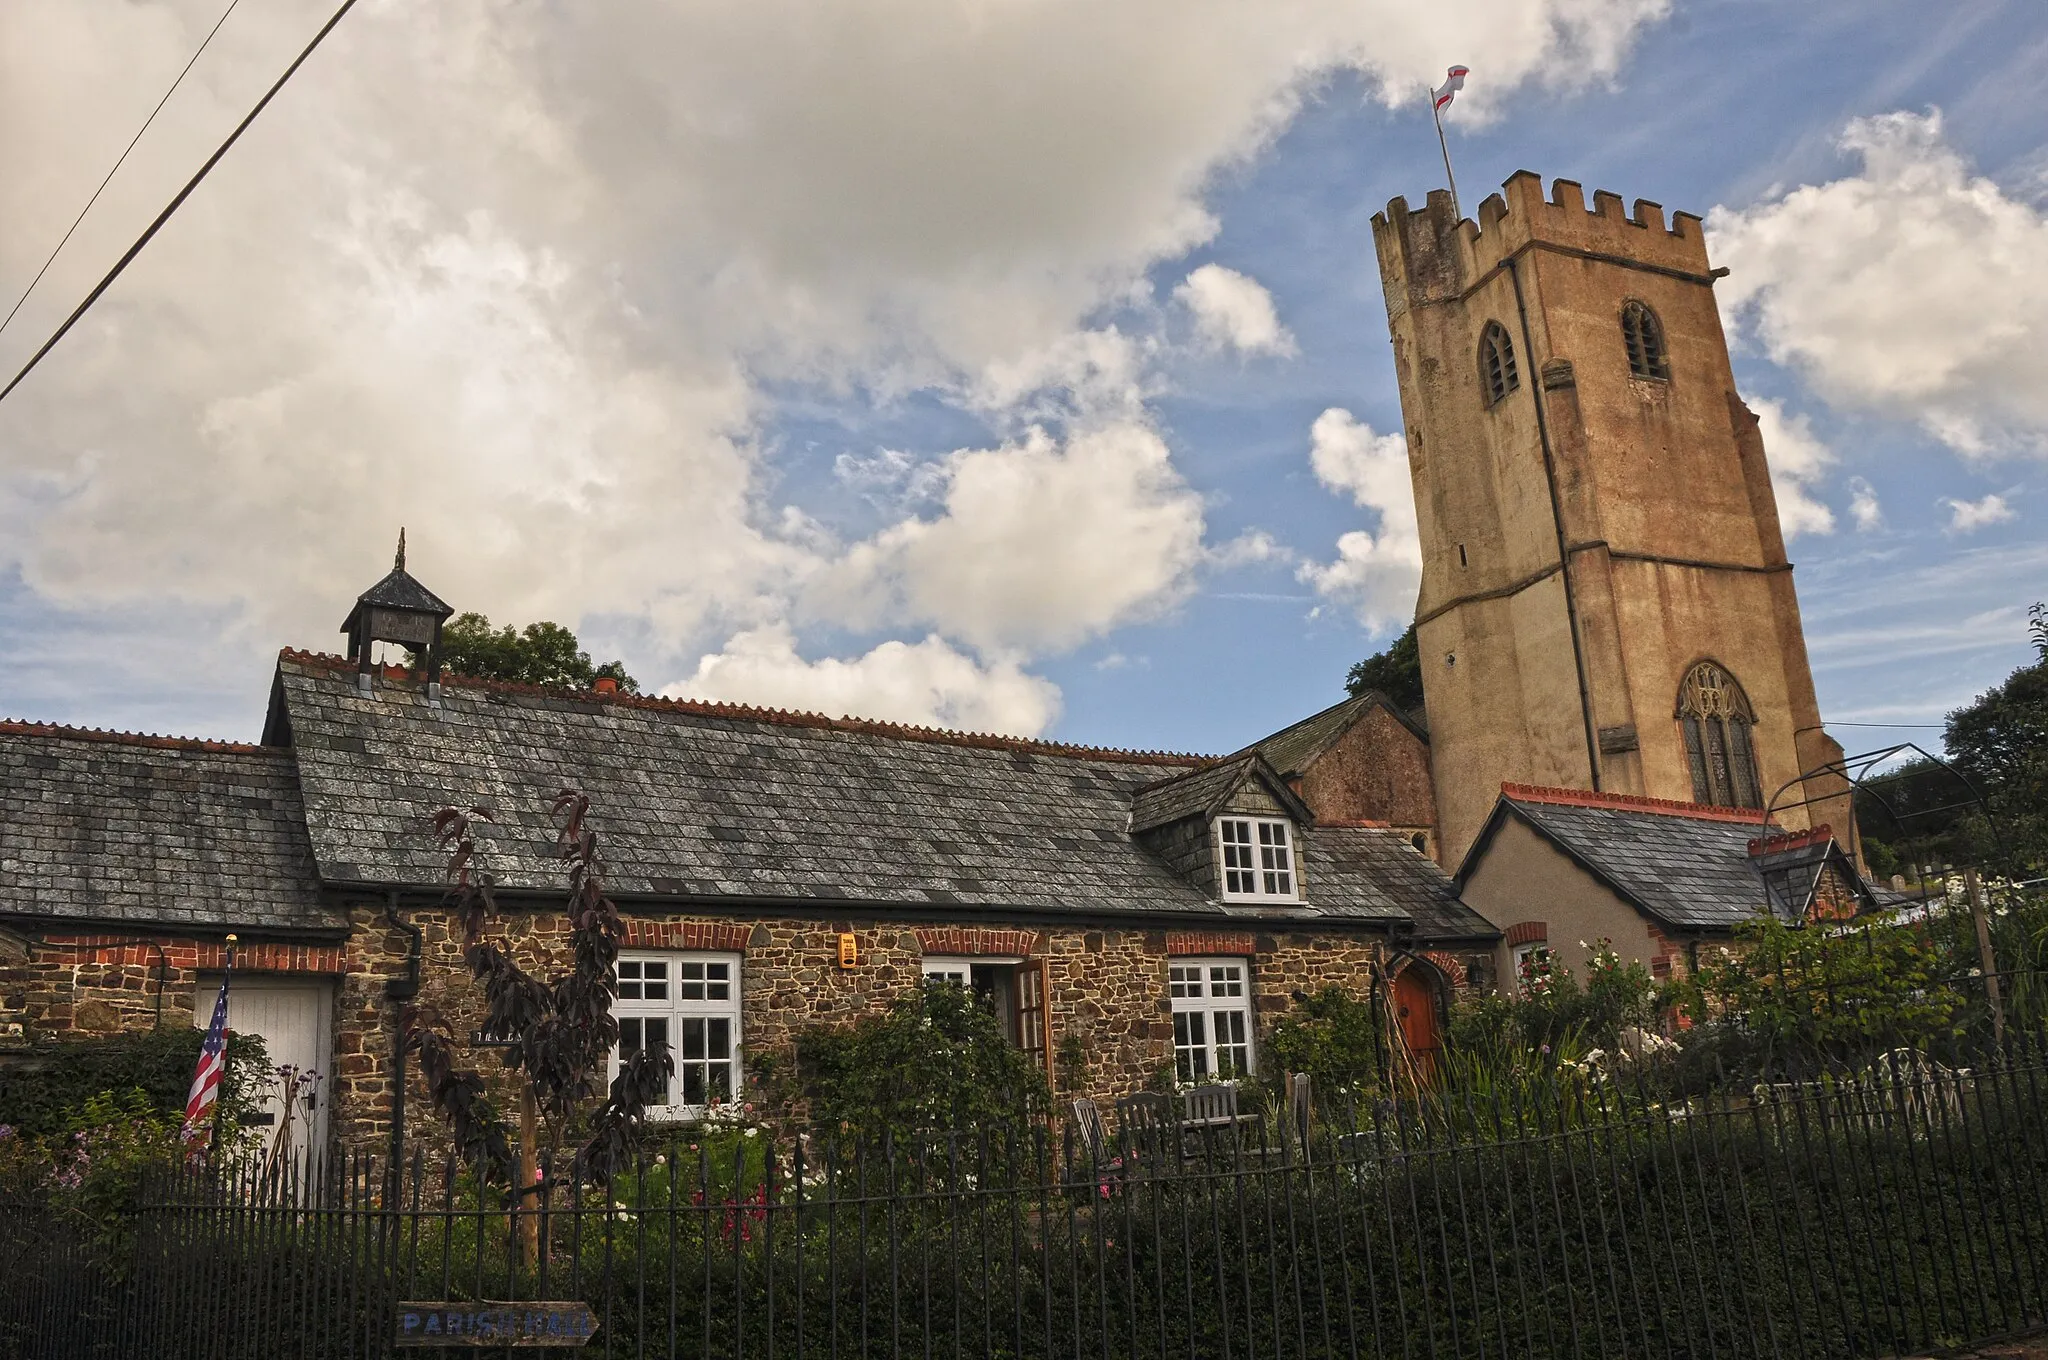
x=1856, y=771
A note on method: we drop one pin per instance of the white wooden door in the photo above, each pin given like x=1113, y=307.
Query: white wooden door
x=294, y=1016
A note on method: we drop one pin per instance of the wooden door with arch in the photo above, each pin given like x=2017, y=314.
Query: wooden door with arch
x=1417, y=1008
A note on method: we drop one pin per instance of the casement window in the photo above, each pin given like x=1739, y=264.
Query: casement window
x=1257, y=855
x=993, y=982
x=691, y=1002
x=1643, y=336
x=1716, y=721
x=1497, y=363
x=1212, y=1021
x=1014, y=989
x=1532, y=964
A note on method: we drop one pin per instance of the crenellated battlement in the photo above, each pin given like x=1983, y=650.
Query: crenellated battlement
x=1434, y=253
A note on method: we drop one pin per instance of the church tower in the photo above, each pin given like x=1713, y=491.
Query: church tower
x=1606, y=603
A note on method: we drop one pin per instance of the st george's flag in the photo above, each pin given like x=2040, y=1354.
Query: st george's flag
x=1454, y=81
x=206, y=1077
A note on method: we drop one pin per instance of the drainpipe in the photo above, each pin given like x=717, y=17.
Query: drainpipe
x=400, y=990
x=1564, y=562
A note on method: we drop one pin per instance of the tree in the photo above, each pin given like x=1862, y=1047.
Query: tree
x=1913, y=815
x=539, y=654
x=560, y=1033
x=1396, y=673
x=2000, y=742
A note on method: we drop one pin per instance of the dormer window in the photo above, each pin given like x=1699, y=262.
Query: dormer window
x=1258, y=858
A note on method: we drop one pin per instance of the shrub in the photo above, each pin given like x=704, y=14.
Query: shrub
x=48, y=1092
x=1834, y=994
x=1336, y=1039
x=1551, y=1009
x=935, y=1061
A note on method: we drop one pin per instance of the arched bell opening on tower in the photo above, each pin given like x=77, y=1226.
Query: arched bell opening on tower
x=1642, y=335
x=1497, y=363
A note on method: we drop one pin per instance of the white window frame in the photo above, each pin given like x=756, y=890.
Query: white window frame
x=1256, y=859
x=958, y=969
x=677, y=1010
x=1520, y=955
x=1211, y=1001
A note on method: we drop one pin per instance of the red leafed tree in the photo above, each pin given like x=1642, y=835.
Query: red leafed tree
x=559, y=1033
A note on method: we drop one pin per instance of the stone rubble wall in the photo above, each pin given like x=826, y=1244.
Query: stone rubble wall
x=1108, y=989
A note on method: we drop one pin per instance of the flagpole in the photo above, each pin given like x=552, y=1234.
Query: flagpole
x=213, y=1141
x=1436, y=117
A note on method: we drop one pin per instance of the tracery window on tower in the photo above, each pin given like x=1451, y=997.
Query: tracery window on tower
x=1717, y=721
x=1497, y=363
x=1643, y=335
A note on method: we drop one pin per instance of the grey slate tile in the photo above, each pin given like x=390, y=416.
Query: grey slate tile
x=692, y=794
x=147, y=831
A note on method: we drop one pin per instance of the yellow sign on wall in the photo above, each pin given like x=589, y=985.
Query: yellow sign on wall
x=849, y=951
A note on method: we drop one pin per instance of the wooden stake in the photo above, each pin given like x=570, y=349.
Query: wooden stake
x=1973, y=885
x=527, y=1205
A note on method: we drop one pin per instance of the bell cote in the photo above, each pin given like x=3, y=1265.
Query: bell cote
x=397, y=609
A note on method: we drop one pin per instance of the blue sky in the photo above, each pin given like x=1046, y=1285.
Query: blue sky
x=745, y=382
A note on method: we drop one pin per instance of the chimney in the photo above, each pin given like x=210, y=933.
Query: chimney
x=604, y=684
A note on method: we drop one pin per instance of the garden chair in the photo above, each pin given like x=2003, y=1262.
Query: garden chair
x=1211, y=1109
x=1299, y=1110
x=1145, y=1125
x=1094, y=1140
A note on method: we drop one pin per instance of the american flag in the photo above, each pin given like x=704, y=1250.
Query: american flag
x=206, y=1076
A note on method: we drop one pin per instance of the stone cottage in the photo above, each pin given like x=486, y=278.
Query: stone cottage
x=1563, y=869
x=1123, y=912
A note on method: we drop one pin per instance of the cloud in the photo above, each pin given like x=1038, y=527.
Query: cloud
x=533, y=280
x=1234, y=309
x=1798, y=461
x=1376, y=575
x=889, y=475
x=1250, y=548
x=928, y=683
x=1967, y=517
x=1912, y=289
x=1039, y=545
x=1863, y=506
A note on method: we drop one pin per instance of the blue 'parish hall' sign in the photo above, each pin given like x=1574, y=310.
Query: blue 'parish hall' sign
x=488, y=1322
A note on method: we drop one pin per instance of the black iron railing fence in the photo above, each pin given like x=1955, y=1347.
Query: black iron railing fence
x=1898, y=1207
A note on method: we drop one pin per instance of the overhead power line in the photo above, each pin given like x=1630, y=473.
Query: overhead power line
x=173, y=206
x=123, y=160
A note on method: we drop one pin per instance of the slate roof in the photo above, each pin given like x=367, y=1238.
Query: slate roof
x=705, y=802
x=1791, y=868
x=1293, y=749
x=152, y=831
x=1202, y=793
x=400, y=590
x=1688, y=870
x=1360, y=871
